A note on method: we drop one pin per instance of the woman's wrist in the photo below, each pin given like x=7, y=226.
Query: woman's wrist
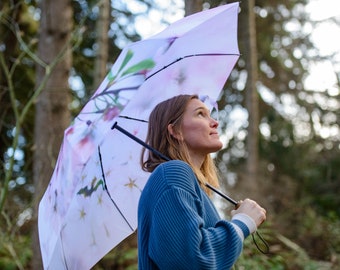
x=244, y=223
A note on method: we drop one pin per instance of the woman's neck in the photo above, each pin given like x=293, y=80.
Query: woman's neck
x=196, y=160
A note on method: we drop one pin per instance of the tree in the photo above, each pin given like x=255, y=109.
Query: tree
x=251, y=97
x=102, y=26
x=52, y=112
x=14, y=104
x=192, y=6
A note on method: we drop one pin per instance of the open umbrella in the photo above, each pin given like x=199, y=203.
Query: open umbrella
x=91, y=202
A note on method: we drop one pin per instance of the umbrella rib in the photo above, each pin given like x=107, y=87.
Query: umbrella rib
x=114, y=92
x=187, y=56
x=107, y=191
x=131, y=118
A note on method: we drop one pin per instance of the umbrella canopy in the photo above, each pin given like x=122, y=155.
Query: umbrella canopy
x=91, y=202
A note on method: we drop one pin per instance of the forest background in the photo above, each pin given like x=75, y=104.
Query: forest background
x=281, y=134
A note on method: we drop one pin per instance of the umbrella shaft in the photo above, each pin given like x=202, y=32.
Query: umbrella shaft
x=222, y=194
x=116, y=126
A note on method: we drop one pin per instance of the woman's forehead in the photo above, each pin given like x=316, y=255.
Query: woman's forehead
x=207, y=105
x=196, y=104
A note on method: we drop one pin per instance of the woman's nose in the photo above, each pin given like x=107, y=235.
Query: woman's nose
x=213, y=122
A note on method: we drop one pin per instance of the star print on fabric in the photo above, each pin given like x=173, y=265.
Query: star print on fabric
x=132, y=184
x=82, y=214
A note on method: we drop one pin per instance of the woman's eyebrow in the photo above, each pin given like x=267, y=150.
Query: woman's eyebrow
x=201, y=108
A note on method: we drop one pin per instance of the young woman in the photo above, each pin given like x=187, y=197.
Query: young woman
x=178, y=225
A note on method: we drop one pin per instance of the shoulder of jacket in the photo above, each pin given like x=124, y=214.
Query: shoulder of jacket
x=178, y=174
x=176, y=166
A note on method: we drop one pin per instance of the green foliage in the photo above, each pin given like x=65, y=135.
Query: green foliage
x=318, y=172
x=122, y=257
x=286, y=254
x=15, y=251
x=126, y=260
x=15, y=20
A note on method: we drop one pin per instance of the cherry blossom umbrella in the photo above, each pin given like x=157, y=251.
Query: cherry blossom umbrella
x=91, y=202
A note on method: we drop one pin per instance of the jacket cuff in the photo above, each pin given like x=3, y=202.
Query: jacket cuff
x=244, y=224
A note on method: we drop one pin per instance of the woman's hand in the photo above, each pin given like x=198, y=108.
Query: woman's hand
x=252, y=209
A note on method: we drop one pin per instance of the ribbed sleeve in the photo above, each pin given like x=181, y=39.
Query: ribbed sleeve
x=178, y=226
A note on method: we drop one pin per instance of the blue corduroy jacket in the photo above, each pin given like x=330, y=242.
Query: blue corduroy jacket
x=179, y=227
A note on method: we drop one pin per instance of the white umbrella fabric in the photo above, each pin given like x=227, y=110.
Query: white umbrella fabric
x=91, y=202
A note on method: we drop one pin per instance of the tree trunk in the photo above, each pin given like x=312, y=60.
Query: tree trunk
x=192, y=6
x=52, y=113
x=251, y=97
x=102, y=28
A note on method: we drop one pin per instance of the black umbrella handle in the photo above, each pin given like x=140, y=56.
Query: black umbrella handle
x=264, y=250
x=264, y=247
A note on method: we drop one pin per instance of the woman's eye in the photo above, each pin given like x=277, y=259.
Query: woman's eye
x=202, y=114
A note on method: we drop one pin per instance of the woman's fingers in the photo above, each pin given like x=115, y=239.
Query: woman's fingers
x=252, y=209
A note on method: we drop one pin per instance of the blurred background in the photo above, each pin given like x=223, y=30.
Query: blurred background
x=279, y=116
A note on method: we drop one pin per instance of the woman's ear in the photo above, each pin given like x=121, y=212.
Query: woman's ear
x=174, y=133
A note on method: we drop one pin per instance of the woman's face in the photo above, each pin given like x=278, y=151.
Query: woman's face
x=199, y=130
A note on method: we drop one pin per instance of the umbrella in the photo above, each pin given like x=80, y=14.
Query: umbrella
x=90, y=204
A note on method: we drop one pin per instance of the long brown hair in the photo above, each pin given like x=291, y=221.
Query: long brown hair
x=171, y=112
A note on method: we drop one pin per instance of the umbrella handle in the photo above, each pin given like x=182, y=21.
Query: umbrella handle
x=265, y=247
x=264, y=250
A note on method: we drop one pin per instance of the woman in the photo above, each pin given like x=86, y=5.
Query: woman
x=178, y=226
